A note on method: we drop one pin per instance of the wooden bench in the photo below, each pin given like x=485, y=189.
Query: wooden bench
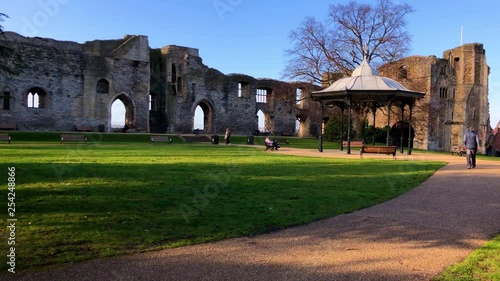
x=5, y=137
x=378, y=150
x=83, y=128
x=353, y=144
x=72, y=137
x=460, y=150
x=160, y=139
x=8, y=126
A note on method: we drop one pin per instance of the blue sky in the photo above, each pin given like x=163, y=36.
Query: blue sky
x=249, y=36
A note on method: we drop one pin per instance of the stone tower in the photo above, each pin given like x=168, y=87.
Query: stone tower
x=456, y=88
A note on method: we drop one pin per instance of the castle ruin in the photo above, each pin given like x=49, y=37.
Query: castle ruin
x=56, y=85
x=456, y=88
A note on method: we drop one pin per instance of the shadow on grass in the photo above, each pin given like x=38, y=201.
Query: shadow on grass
x=85, y=209
x=73, y=212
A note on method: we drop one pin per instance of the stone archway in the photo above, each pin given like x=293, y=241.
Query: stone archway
x=208, y=116
x=130, y=114
x=261, y=121
x=401, y=128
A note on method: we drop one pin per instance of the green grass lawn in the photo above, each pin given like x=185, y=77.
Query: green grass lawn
x=77, y=202
x=482, y=264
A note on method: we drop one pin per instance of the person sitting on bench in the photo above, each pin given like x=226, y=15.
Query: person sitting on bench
x=271, y=143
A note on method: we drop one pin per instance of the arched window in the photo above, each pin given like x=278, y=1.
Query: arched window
x=118, y=112
x=403, y=72
x=298, y=95
x=261, y=121
x=243, y=89
x=152, y=101
x=173, y=77
x=199, y=119
x=36, y=98
x=102, y=86
x=456, y=63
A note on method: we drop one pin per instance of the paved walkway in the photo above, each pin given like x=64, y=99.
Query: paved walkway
x=413, y=237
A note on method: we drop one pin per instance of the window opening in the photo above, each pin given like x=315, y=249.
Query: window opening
x=261, y=96
x=6, y=100
x=36, y=98
x=199, y=119
x=243, y=90
x=118, y=112
x=298, y=95
x=33, y=100
x=261, y=121
x=102, y=86
x=403, y=72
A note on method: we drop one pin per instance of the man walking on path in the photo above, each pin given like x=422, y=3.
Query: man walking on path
x=471, y=142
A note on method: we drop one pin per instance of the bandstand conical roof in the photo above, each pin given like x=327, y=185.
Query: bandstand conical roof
x=365, y=84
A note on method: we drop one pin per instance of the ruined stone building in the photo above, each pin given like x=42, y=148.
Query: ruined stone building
x=180, y=82
x=456, y=88
x=55, y=85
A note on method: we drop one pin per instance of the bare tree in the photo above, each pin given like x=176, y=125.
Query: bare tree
x=349, y=33
x=2, y=18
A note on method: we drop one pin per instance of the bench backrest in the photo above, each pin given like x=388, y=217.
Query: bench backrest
x=73, y=137
x=4, y=136
x=379, y=149
x=8, y=126
x=353, y=143
x=160, y=138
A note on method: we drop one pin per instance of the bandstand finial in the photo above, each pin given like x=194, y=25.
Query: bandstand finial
x=365, y=52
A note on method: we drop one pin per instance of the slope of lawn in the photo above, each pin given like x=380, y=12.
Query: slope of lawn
x=77, y=202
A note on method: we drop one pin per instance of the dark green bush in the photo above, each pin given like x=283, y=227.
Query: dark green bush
x=333, y=129
x=380, y=134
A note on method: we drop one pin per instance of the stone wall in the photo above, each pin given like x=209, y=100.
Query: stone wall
x=228, y=101
x=54, y=86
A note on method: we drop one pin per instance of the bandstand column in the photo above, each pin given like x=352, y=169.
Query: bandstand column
x=388, y=122
x=409, y=129
x=402, y=121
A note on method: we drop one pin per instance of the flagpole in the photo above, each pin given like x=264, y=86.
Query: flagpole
x=461, y=34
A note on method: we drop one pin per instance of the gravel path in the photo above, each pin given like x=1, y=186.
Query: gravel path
x=412, y=237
